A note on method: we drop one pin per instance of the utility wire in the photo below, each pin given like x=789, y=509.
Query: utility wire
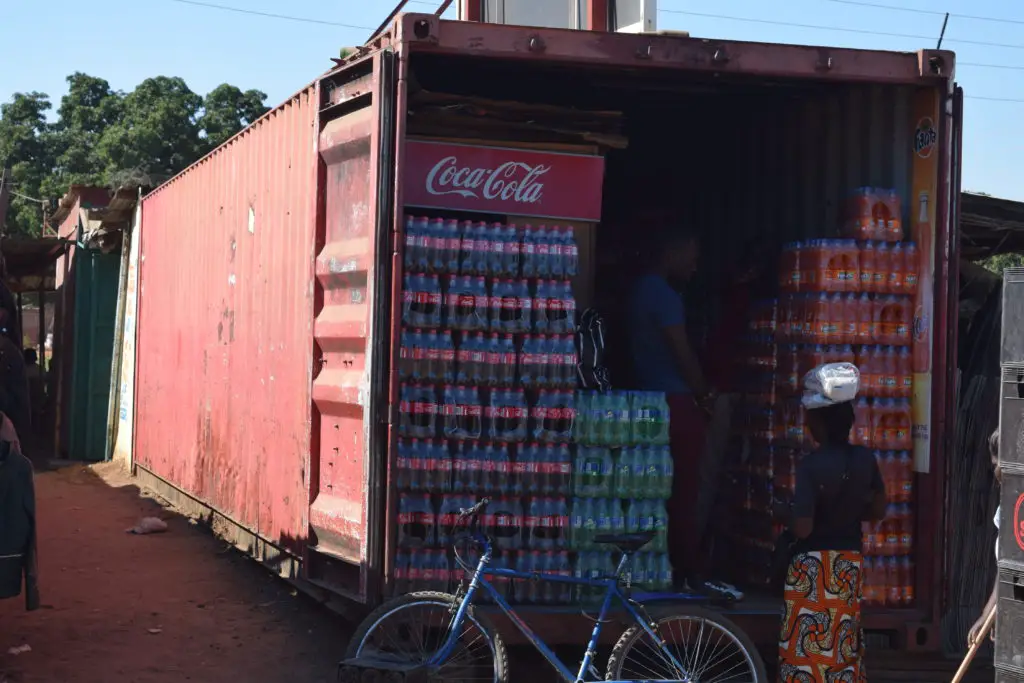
x=913, y=10
x=1011, y=67
x=876, y=33
x=843, y=29
x=270, y=15
x=27, y=198
x=994, y=99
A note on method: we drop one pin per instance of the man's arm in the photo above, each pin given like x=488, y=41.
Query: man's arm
x=975, y=632
x=686, y=359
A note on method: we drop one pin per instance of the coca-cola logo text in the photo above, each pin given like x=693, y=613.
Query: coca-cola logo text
x=511, y=181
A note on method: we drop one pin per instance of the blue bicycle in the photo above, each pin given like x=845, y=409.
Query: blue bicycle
x=433, y=636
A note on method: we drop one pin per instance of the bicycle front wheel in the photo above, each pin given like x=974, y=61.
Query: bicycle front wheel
x=411, y=628
x=708, y=647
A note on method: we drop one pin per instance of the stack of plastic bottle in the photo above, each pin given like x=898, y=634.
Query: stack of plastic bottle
x=621, y=479
x=488, y=403
x=846, y=299
x=766, y=470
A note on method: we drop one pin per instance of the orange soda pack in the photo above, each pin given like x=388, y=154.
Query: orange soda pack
x=893, y=319
x=874, y=214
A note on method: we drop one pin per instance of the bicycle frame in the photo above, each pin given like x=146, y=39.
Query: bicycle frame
x=612, y=593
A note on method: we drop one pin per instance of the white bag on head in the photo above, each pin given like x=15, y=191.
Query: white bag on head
x=829, y=384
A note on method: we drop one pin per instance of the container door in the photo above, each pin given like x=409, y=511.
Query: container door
x=351, y=340
x=96, y=287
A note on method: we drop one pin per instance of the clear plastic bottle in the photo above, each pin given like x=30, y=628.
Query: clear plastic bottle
x=496, y=250
x=410, y=255
x=528, y=256
x=556, y=253
x=868, y=267
x=424, y=242
x=437, y=246
x=482, y=249
x=432, y=356
x=467, y=252
x=511, y=254
x=541, y=301
x=564, y=316
x=528, y=368
x=492, y=361
x=543, y=258
x=911, y=268
x=571, y=253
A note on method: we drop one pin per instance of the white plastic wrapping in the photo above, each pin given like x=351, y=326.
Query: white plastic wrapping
x=830, y=384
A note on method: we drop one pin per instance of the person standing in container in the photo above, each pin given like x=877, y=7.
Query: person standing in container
x=664, y=361
x=838, y=486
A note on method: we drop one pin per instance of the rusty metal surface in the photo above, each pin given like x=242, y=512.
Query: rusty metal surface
x=225, y=315
x=426, y=33
x=352, y=287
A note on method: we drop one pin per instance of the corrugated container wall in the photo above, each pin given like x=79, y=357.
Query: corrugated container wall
x=225, y=325
x=792, y=158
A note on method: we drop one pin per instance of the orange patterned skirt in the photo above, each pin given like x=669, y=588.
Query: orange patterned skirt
x=821, y=637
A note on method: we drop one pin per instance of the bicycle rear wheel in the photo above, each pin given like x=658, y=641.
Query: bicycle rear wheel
x=710, y=648
x=411, y=628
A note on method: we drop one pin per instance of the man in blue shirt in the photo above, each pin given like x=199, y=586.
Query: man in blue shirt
x=664, y=361
x=662, y=357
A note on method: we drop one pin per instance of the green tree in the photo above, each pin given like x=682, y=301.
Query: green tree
x=88, y=109
x=157, y=132
x=1000, y=262
x=105, y=137
x=23, y=147
x=226, y=111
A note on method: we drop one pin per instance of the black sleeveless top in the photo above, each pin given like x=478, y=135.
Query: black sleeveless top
x=834, y=487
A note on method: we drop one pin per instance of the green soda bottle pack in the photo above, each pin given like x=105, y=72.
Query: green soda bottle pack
x=622, y=476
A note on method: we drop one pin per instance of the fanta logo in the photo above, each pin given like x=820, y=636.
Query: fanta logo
x=920, y=325
x=925, y=138
x=1018, y=524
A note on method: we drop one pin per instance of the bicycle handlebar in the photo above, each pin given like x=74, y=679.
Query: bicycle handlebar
x=475, y=510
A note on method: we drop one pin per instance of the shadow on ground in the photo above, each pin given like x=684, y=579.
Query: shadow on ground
x=177, y=606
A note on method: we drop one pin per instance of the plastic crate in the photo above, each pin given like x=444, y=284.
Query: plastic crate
x=1012, y=347
x=1011, y=415
x=1009, y=650
x=1011, y=522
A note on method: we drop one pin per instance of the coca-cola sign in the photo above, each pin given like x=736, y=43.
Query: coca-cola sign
x=503, y=181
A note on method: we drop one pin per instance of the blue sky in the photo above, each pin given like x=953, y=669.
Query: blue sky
x=124, y=43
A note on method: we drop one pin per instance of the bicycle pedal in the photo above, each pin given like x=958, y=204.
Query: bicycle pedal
x=368, y=670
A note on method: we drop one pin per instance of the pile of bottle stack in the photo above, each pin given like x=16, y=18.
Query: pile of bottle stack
x=488, y=401
x=622, y=477
x=842, y=300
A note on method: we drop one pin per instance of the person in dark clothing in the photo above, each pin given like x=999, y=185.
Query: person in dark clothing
x=975, y=632
x=36, y=386
x=14, y=391
x=10, y=326
x=838, y=486
x=18, y=566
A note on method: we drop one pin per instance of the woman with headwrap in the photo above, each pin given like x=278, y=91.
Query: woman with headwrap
x=838, y=486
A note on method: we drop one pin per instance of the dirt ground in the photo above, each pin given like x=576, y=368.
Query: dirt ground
x=184, y=606
x=177, y=606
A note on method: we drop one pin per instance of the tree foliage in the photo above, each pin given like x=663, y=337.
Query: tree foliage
x=101, y=136
x=1000, y=262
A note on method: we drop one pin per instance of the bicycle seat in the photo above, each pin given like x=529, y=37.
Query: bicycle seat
x=627, y=543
